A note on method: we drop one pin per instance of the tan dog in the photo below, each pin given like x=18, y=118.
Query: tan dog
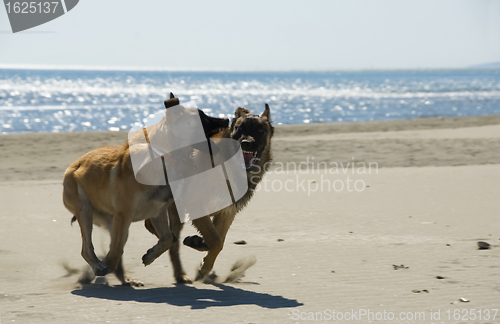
x=100, y=187
x=254, y=133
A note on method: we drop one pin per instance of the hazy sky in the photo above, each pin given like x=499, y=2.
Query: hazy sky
x=262, y=35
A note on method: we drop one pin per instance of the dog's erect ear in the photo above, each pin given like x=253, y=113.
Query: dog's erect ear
x=173, y=101
x=241, y=112
x=267, y=113
x=267, y=116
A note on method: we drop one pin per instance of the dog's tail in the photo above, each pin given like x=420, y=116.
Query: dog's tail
x=73, y=219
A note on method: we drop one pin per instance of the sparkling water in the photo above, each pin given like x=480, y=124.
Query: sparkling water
x=69, y=100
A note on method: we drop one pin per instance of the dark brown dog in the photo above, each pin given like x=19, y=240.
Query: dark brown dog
x=254, y=133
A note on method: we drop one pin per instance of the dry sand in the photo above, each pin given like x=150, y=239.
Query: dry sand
x=433, y=196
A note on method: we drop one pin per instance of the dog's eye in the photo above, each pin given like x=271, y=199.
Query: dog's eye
x=237, y=128
x=261, y=130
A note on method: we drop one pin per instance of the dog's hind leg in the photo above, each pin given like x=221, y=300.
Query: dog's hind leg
x=176, y=227
x=85, y=218
x=165, y=238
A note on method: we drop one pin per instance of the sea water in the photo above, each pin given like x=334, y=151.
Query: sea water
x=74, y=100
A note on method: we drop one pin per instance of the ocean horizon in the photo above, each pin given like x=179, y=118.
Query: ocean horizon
x=67, y=100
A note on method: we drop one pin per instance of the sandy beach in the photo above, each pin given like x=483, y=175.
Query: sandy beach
x=399, y=238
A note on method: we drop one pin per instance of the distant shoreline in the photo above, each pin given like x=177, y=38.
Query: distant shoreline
x=353, y=127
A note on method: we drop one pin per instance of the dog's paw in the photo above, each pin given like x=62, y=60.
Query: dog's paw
x=101, y=269
x=132, y=283
x=195, y=242
x=148, y=258
x=184, y=279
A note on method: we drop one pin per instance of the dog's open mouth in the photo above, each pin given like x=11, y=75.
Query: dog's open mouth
x=250, y=159
x=216, y=131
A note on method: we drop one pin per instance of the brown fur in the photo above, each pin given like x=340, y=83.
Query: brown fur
x=254, y=133
x=100, y=187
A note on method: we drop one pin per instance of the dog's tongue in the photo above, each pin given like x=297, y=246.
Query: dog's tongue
x=248, y=159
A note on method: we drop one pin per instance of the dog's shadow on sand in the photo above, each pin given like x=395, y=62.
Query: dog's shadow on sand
x=182, y=295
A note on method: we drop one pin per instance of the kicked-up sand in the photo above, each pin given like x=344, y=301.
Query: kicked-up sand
x=393, y=239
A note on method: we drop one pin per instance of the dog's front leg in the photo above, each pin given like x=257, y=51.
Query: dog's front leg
x=222, y=222
x=120, y=271
x=212, y=241
x=165, y=238
x=119, y=234
x=126, y=280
